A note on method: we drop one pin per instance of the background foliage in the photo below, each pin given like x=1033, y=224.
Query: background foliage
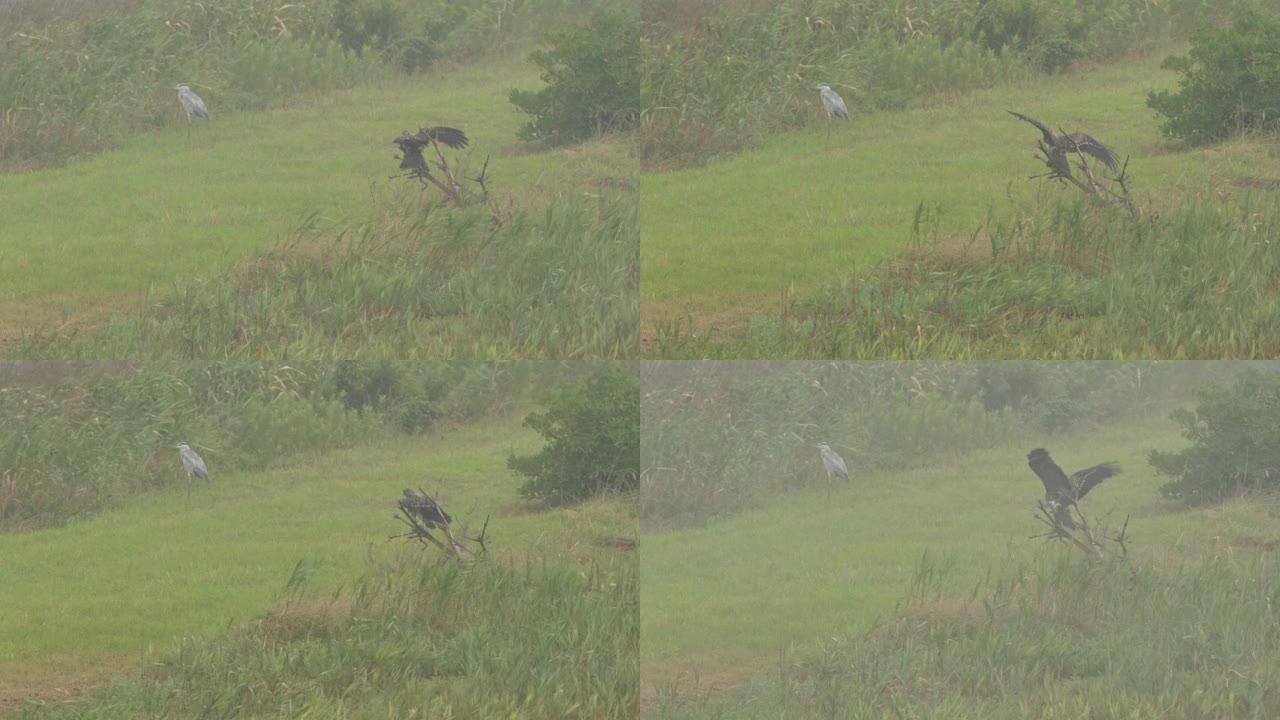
x=719, y=76
x=1234, y=432
x=593, y=81
x=593, y=440
x=75, y=76
x=1230, y=81
x=73, y=438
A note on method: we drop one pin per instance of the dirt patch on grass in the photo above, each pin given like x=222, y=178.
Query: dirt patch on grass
x=690, y=681
x=61, y=315
x=58, y=687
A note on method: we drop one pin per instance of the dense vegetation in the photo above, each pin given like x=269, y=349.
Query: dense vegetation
x=1235, y=435
x=75, y=77
x=1066, y=279
x=420, y=281
x=1230, y=82
x=592, y=432
x=74, y=440
x=1062, y=637
x=593, y=81
x=536, y=642
x=719, y=77
x=722, y=438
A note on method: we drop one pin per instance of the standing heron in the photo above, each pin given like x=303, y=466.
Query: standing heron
x=191, y=103
x=193, y=464
x=833, y=464
x=834, y=105
x=1061, y=491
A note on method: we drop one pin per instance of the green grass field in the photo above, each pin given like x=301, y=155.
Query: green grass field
x=734, y=240
x=722, y=606
x=91, y=601
x=86, y=241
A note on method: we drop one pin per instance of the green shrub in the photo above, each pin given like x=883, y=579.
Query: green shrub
x=593, y=82
x=1235, y=436
x=1230, y=81
x=593, y=440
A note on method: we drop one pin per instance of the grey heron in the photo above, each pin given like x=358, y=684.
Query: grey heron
x=832, y=463
x=1061, y=491
x=834, y=105
x=191, y=103
x=1056, y=145
x=192, y=463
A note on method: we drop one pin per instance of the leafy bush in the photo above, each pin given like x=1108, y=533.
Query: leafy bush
x=1235, y=436
x=593, y=82
x=1230, y=81
x=593, y=440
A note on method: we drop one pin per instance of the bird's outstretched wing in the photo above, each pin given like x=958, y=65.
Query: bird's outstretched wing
x=1091, y=145
x=1048, y=134
x=1057, y=487
x=453, y=137
x=1084, y=480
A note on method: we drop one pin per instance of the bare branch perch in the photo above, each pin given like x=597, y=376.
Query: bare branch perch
x=1082, y=536
x=425, y=517
x=415, y=164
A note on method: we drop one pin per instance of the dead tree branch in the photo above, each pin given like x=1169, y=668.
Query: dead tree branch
x=443, y=177
x=425, y=518
x=1057, y=158
x=1083, y=535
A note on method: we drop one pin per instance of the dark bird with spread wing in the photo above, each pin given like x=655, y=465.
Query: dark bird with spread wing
x=412, y=144
x=425, y=509
x=1061, y=491
x=1056, y=146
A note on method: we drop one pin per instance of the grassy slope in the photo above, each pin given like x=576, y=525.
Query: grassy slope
x=722, y=602
x=86, y=599
x=168, y=204
x=725, y=241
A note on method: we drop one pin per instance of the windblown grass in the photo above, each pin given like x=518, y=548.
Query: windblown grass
x=1051, y=637
x=531, y=642
x=1068, y=281
x=425, y=282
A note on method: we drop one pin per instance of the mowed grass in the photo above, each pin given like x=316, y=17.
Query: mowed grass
x=86, y=601
x=733, y=240
x=82, y=242
x=720, y=605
